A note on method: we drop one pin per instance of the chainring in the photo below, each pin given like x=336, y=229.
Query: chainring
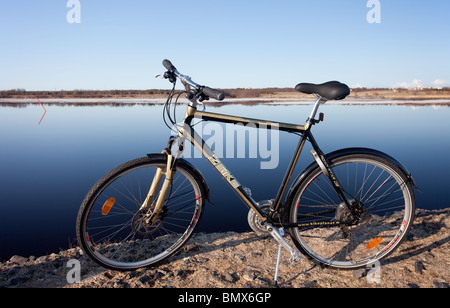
x=255, y=222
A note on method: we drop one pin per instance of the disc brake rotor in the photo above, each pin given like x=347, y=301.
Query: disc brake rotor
x=140, y=226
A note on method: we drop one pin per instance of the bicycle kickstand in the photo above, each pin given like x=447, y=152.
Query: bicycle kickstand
x=278, y=236
x=275, y=281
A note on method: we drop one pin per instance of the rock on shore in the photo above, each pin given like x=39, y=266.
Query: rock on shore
x=242, y=260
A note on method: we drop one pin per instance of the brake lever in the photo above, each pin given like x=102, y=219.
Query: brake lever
x=167, y=75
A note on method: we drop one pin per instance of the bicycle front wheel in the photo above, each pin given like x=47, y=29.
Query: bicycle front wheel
x=111, y=227
x=329, y=233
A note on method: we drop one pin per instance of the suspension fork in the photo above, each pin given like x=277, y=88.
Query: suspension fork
x=170, y=169
x=169, y=172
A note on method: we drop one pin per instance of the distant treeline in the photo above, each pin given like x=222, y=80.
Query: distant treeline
x=420, y=90
x=230, y=93
x=251, y=93
x=19, y=93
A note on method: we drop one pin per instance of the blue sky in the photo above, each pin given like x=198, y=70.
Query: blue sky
x=223, y=44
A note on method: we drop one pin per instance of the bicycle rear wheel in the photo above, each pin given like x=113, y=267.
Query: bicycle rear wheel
x=110, y=225
x=329, y=234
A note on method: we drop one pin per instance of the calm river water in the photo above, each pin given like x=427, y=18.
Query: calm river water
x=46, y=169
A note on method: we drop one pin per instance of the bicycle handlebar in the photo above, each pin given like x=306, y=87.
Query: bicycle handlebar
x=215, y=94
x=169, y=66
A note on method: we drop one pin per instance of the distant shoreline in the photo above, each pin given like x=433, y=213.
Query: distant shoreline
x=12, y=102
x=232, y=95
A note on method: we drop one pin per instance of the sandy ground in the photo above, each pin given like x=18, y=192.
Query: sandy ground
x=246, y=260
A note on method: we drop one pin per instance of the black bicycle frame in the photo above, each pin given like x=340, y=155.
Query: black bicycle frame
x=189, y=133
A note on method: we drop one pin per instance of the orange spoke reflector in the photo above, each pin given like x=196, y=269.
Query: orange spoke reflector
x=108, y=206
x=374, y=243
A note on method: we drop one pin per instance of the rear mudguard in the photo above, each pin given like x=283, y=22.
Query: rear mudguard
x=187, y=166
x=299, y=181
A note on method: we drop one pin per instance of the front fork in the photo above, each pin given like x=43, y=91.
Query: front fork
x=153, y=211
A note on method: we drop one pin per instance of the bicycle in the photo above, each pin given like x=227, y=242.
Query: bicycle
x=348, y=209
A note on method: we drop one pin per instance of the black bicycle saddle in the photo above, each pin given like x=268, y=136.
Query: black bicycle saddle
x=332, y=90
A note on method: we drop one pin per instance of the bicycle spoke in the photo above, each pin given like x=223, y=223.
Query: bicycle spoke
x=127, y=235
x=376, y=188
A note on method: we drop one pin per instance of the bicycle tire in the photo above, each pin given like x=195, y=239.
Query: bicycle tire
x=385, y=221
x=117, y=241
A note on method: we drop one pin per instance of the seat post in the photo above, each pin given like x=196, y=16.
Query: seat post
x=320, y=100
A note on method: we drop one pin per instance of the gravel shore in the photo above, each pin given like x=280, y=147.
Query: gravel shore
x=246, y=260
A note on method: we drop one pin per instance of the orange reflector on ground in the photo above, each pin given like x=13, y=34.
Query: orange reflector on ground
x=374, y=243
x=108, y=206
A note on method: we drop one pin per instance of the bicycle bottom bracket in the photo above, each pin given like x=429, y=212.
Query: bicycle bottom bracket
x=255, y=221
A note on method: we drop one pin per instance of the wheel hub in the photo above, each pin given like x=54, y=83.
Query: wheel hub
x=140, y=222
x=355, y=218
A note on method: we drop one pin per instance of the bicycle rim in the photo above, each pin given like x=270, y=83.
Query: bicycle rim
x=388, y=209
x=120, y=239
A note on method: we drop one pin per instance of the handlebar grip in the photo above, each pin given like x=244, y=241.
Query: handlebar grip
x=168, y=65
x=217, y=95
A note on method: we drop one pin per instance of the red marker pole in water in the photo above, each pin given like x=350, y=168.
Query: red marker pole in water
x=45, y=111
